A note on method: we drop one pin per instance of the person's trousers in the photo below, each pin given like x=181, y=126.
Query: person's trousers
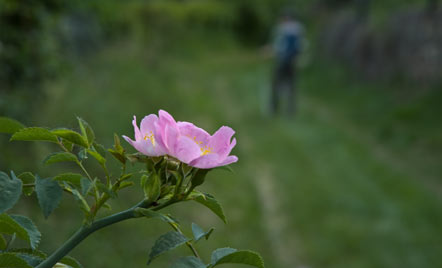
x=283, y=80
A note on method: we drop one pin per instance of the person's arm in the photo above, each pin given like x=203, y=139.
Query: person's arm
x=277, y=40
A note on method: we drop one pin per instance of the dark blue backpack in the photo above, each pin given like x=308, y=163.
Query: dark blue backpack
x=291, y=46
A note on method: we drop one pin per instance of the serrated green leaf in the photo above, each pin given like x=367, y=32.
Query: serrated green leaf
x=33, y=252
x=27, y=178
x=71, y=136
x=9, y=226
x=33, y=233
x=30, y=259
x=11, y=260
x=72, y=178
x=188, y=262
x=60, y=157
x=68, y=260
x=9, y=125
x=10, y=191
x=211, y=203
x=230, y=255
x=152, y=187
x=165, y=243
x=86, y=130
x=48, y=193
x=97, y=156
x=219, y=253
x=199, y=233
x=34, y=134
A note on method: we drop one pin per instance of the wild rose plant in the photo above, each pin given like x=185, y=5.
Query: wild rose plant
x=173, y=160
x=184, y=141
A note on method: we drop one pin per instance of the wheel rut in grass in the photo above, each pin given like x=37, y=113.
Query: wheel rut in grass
x=282, y=241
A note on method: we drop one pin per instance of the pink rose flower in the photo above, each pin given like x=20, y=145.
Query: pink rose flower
x=184, y=141
x=147, y=137
x=194, y=146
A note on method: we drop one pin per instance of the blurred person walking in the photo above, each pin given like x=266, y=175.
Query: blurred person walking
x=286, y=47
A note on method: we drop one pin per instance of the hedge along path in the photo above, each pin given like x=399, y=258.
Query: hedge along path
x=283, y=243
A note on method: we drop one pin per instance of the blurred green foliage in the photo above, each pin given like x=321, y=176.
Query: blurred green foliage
x=26, y=53
x=357, y=173
x=347, y=195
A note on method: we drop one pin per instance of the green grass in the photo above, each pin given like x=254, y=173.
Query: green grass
x=319, y=190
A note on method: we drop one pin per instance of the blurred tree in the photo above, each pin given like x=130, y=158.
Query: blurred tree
x=25, y=48
x=27, y=57
x=249, y=25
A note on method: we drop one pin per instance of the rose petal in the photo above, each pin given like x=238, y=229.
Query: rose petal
x=199, y=135
x=186, y=149
x=206, y=161
x=138, y=145
x=148, y=124
x=229, y=160
x=136, y=129
x=220, y=141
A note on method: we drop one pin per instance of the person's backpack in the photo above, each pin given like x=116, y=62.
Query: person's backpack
x=292, y=46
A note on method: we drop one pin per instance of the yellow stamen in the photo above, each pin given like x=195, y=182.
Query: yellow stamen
x=151, y=137
x=197, y=142
x=204, y=149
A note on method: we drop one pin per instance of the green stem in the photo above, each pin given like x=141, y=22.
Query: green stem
x=106, y=172
x=78, y=162
x=123, y=169
x=84, y=170
x=86, y=230
x=62, y=146
x=96, y=197
x=189, y=244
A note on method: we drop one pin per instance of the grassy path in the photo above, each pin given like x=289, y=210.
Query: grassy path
x=309, y=191
x=431, y=181
x=276, y=223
